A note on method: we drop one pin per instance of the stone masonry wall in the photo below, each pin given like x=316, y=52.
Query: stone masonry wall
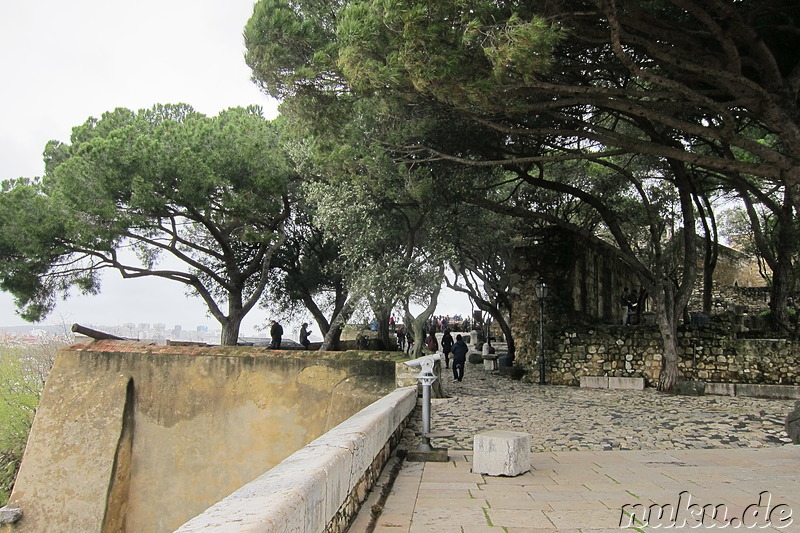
x=635, y=351
x=150, y=436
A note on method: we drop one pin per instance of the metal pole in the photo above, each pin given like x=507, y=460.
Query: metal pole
x=425, y=445
x=541, y=342
x=426, y=378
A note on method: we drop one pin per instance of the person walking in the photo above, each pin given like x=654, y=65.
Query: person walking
x=304, y=335
x=459, y=359
x=275, y=332
x=431, y=342
x=447, y=345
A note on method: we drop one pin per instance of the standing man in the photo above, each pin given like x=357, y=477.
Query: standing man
x=276, y=332
x=459, y=359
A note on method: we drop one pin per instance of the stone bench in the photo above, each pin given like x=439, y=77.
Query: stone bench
x=490, y=362
x=501, y=453
x=606, y=382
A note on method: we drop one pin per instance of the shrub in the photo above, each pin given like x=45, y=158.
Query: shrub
x=23, y=370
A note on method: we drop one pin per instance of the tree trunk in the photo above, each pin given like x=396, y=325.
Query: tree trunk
x=331, y=340
x=382, y=315
x=319, y=316
x=711, y=248
x=782, y=271
x=230, y=331
x=506, y=329
x=779, y=291
x=416, y=332
x=668, y=327
x=709, y=265
x=418, y=322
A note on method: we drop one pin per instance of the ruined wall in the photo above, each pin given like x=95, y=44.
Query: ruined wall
x=585, y=280
x=705, y=355
x=131, y=437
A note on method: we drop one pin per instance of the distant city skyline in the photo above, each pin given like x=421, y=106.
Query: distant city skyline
x=162, y=302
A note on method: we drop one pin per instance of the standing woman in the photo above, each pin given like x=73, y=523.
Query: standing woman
x=447, y=345
x=431, y=343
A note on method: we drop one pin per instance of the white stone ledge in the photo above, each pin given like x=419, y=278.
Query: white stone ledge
x=304, y=491
x=610, y=382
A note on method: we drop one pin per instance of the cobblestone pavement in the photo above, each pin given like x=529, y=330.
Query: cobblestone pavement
x=570, y=418
x=726, y=452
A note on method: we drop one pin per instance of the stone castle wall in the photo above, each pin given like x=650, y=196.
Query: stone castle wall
x=130, y=436
x=635, y=351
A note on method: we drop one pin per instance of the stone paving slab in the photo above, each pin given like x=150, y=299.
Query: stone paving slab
x=594, y=502
x=595, y=451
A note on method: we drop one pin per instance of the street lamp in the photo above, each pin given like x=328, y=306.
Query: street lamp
x=541, y=292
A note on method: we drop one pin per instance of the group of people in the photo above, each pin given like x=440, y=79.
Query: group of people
x=441, y=323
x=458, y=348
x=276, y=335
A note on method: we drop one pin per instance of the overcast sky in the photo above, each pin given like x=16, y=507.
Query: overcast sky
x=62, y=62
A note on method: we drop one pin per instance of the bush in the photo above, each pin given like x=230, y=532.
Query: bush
x=23, y=370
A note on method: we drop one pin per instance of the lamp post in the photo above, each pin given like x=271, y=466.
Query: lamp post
x=541, y=292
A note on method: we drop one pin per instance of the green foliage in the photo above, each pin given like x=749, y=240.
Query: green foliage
x=461, y=53
x=23, y=371
x=291, y=46
x=208, y=192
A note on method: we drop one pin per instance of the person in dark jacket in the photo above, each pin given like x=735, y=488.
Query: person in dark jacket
x=275, y=332
x=447, y=346
x=459, y=358
x=304, y=333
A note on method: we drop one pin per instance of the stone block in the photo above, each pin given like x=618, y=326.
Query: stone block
x=490, y=362
x=501, y=453
x=778, y=392
x=594, y=382
x=10, y=515
x=626, y=383
x=690, y=388
x=721, y=389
